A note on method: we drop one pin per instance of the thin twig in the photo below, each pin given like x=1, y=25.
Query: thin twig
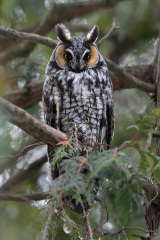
x=30, y=172
x=126, y=77
x=23, y=151
x=148, y=142
x=48, y=222
x=112, y=29
x=119, y=237
x=152, y=192
x=156, y=193
x=87, y=223
x=131, y=228
x=56, y=223
x=82, y=161
x=125, y=235
x=141, y=237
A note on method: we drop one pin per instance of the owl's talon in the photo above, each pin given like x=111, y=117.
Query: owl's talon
x=64, y=143
x=81, y=164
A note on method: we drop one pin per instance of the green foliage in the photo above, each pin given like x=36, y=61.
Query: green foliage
x=108, y=181
x=117, y=184
x=147, y=122
x=112, y=175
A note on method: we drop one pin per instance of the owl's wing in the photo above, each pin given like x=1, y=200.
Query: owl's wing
x=50, y=111
x=50, y=105
x=51, y=115
x=107, y=124
x=110, y=122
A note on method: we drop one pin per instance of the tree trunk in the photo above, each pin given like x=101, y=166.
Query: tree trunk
x=152, y=211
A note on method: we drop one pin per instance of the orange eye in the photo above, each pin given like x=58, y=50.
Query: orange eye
x=86, y=56
x=60, y=56
x=68, y=56
x=93, y=56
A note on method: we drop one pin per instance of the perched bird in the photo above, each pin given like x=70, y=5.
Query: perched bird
x=77, y=93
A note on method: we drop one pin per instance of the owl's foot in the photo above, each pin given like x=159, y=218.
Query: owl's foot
x=82, y=161
x=64, y=143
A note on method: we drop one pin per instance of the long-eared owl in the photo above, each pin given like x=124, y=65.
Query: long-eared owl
x=78, y=91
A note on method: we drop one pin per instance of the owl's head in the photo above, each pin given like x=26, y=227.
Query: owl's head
x=76, y=53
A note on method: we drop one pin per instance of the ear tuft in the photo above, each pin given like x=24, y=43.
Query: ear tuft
x=92, y=35
x=63, y=33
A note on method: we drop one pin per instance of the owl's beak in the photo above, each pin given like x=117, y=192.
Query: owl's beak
x=77, y=65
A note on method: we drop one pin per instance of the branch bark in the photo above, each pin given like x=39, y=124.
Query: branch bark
x=126, y=77
x=25, y=197
x=122, y=75
x=152, y=192
x=11, y=160
x=27, y=96
x=29, y=124
x=30, y=37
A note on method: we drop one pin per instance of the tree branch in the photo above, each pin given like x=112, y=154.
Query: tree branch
x=126, y=77
x=23, y=151
x=10, y=161
x=113, y=28
x=29, y=124
x=71, y=10
x=20, y=51
x=152, y=191
x=130, y=228
x=30, y=172
x=30, y=37
x=27, y=96
x=25, y=197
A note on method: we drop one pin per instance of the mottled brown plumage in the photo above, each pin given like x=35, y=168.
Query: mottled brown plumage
x=77, y=92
